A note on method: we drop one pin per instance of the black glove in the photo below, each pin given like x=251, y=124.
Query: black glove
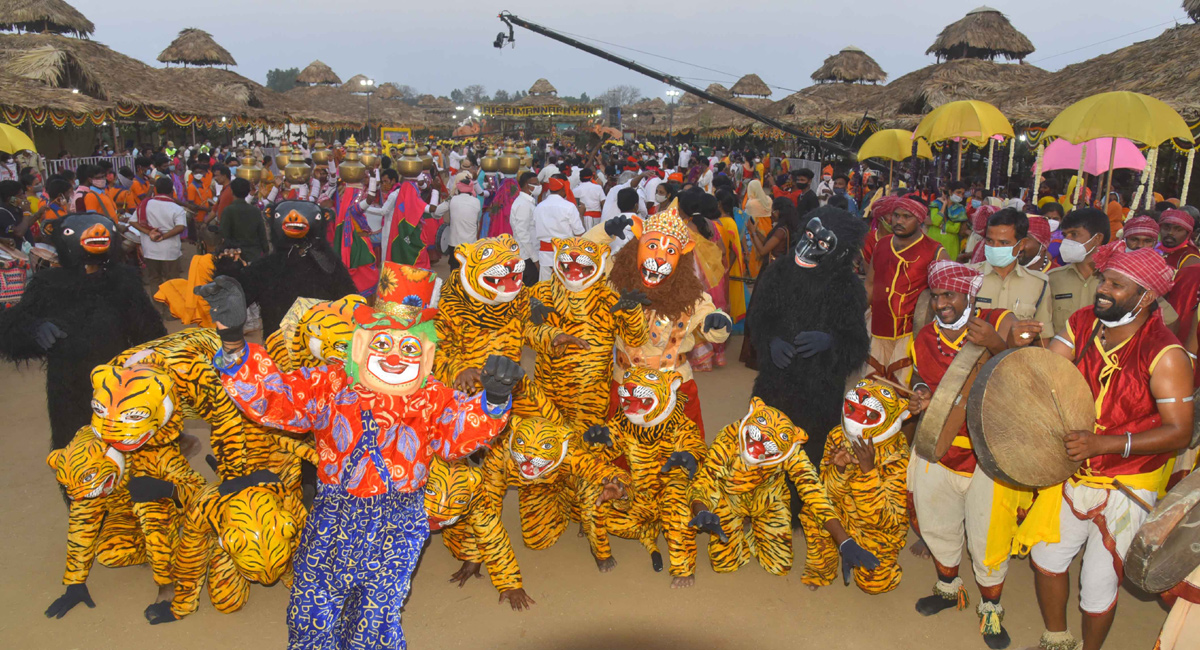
x=75, y=594
x=598, y=434
x=148, y=488
x=630, y=300
x=227, y=304
x=782, y=353
x=709, y=522
x=500, y=375
x=854, y=555
x=716, y=321
x=160, y=612
x=810, y=343
x=682, y=459
x=46, y=334
x=214, y=227
x=616, y=226
x=538, y=311
x=239, y=483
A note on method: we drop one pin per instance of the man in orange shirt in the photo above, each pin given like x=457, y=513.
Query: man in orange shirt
x=95, y=199
x=142, y=186
x=199, y=200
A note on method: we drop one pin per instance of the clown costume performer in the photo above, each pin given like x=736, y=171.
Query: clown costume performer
x=377, y=421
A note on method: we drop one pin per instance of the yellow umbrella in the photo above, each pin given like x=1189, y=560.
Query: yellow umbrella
x=1120, y=114
x=969, y=120
x=13, y=139
x=893, y=144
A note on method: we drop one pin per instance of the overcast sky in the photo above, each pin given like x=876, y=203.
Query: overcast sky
x=438, y=45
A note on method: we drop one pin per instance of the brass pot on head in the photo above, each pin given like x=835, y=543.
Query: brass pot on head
x=297, y=172
x=409, y=164
x=509, y=164
x=352, y=170
x=284, y=156
x=249, y=169
x=321, y=153
x=490, y=164
x=425, y=156
x=369, y=156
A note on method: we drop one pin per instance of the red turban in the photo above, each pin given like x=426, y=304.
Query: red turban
x=889, y=204
x=556, y=184
x=945, y=275
x=1144, y=266
x=1179, y=218
x=980, y=218
x=1039, y=229
x=1142, y=226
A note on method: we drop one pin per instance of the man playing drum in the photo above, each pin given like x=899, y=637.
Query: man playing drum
x=953, y=502
x=1141, y=380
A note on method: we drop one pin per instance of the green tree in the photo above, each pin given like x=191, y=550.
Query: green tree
x=456, y=96
x=584, y=99
x=501, y=96
x=281, y=80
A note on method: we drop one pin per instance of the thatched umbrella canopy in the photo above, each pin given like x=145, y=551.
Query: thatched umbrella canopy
x=388, y=90
x=984, y=33
x=828, y=103
x=354, y=84
x=350, y=107
x=46, y=16
x=196, y=47
x=850, y=65
x=317, y=73
x=436, y=104
x=56, y=68
x=543, y=87
x=921, y=91
x=1192, y=7
x=751, y=85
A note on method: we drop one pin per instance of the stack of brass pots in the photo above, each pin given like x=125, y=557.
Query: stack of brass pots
x=249, y=169
x=409, y=164
x=297, y=172
x=284, y=156
x=351, y=170
x=509, y=163
x=426, y=157
x=369, y=156
x=490, y=164
x=321, y=154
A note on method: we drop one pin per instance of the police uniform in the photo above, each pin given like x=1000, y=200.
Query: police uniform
x=1024, y=292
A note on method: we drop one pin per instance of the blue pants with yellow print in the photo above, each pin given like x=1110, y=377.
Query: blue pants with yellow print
x=353, y=570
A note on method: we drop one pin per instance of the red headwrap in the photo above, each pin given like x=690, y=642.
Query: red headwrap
x=1142, y=226
x=945, y=275
x=980, y=218
x=1179, y=218
x=889, y=204
x=1144, y=266
x=556, y=184
x=1039, y=229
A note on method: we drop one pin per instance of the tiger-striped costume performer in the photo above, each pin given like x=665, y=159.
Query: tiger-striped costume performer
x=743, y=478
x=483, y=310
x=452, y=498
x=314, y=333
x=662, y=448
x=586, y=306
x=101, y=525
x=872, y=503
x=556, y=480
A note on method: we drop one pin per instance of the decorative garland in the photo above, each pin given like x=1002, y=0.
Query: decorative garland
x=1187, y=176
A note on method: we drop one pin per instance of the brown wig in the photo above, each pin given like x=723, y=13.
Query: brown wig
x=676, y=294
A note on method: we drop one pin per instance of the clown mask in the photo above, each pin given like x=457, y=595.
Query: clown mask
x=392, y=361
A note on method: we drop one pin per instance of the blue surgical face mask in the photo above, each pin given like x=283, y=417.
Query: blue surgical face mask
x=999, y=256
x=975, y=203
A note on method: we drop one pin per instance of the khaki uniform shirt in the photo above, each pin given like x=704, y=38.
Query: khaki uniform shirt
x=1024, y=292
x=1072, y=292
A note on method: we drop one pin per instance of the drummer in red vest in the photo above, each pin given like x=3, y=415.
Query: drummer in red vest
x=1175, y=230
x=954, y=503
x=898, y=274
x=1141, y=380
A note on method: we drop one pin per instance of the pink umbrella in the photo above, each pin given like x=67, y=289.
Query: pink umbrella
x=1064, y=155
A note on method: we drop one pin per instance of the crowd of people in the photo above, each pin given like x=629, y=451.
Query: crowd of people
x=625, y=268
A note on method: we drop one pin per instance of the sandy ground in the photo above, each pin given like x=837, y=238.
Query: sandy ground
x=577, y=607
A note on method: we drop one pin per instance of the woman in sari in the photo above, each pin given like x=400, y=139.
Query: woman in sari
x=500, y=206
x=727, y=227
x=712, y=268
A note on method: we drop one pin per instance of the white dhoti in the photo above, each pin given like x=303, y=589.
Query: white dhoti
x=1102, y=524
x=951, y=510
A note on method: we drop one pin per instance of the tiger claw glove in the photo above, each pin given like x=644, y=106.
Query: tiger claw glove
x=538, y=311
x=227, y=305
x=709, y=522
x=616, y=226
x=598, y=434
x=854, y=555
x=500, y=375
x=75, y=594
x=682, y=459
x=160, y=612
x=239, y=483
x=630, y=300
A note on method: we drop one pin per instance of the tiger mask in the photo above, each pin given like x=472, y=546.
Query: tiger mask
x=578, y=262
x=259, y=534
x=873, y=411
x=491, y=270
x=537, y=448
x=648, y=397
x=129, y=405
x=448, y=492
x=87, y=468
x=326, y=328
x=766, y=437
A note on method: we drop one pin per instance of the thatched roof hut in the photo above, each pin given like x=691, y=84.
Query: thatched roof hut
x=318, y=74
x=196, y=47
x=56, y=68
x=543, y=87
x=388, y=90
x=20, y=92
x=984, y=33
x=436, y=104
x=751, y=85
x=851, y=65
x=352, y=107
x=355, y=84
x=828, y=103
x=45, y=16
x=921, y=91
x=1192, y=7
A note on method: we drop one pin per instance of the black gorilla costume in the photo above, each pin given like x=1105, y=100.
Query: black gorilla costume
x=301, y=264
x=76, y=320
x=809, y=327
